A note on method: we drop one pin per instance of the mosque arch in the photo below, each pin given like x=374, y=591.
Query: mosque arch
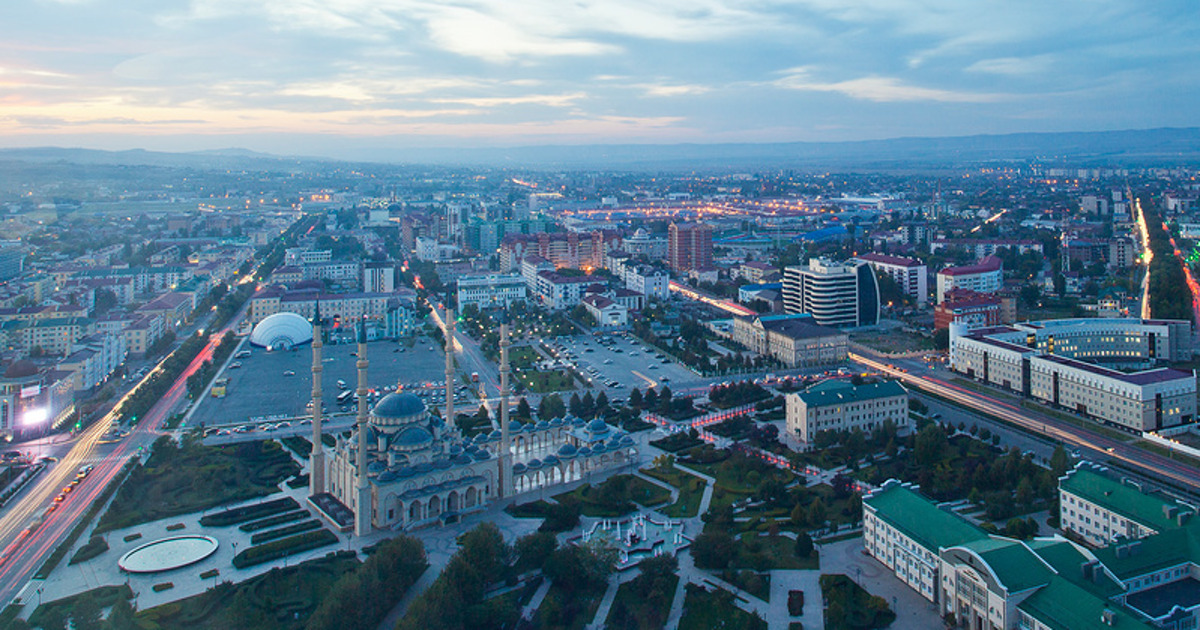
x=416, y=511
x=471, y=497
x=452, y=502
x=434, y=508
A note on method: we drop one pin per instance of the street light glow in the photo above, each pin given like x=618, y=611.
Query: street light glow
x=33, y=417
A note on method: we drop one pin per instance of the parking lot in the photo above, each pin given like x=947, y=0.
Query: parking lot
x=622, y=359
x=279, y=384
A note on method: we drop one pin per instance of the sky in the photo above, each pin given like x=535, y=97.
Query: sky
x=331, y=77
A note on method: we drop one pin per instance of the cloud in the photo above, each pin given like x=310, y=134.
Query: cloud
x=652, y=89
x=1012, y=66
x=879, y=89
x=549, y=100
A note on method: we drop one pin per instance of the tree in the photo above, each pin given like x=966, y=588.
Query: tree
x=817, y=512
x=1031, y=294
x=941, y=338
x=601, y=401
x=635, y=399
x=930, y=445
x=552, y=406
x=1059, y=462
x=534, y=549
x=650, y=400
x=804, y=545
x=523, y=410
x=587, y=405
x=576, y=406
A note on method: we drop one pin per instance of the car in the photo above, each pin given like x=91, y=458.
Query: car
x=608, y=362
x=84, y=470
x=653, y=367
x=663, y=379
x=60, y=498
x=235, y=365
x=285, y=424
x=289, y=373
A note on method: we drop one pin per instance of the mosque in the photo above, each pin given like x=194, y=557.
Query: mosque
x=403, y=468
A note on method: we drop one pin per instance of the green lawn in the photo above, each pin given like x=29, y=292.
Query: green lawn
x=544, y=382
x=523, y=357
x=756, y=584
x=194, y=477
x=615, y=496
x=893, y=341
x=703, y=610
x=281, y=598
x=691, y=491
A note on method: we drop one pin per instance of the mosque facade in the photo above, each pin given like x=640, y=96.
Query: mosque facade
x=404, y=468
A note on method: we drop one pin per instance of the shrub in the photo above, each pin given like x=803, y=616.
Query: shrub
x=283, y=532
x=249, y=512
x=174, y=527
x=158, y=588
x=95, y=546
x=286, y=517
x=259, y=554
x=132, y=537
x=795, y=603
x=211, y=573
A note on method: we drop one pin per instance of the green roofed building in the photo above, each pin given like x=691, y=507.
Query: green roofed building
x=990, y=582
x=1101, y=508
x=840, y=406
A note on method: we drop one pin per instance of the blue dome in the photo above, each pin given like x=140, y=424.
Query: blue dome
x=557, y=422
x=462, y=460
x=542, y=426
x=597, y=426
x=413, y=437
x=518, y=468
x=534, y=463
x=585, y=452
x=568, y=450
x=398, y=405
x=514, y=426
x=387, y=476
x=550, y=460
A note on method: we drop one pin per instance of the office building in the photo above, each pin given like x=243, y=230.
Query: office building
x=843, y=295
x=491, y=291
x=793, y=339
x=835, y=405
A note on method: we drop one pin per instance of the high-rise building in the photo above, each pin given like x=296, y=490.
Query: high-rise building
x=835, y=294
x=689, y=246
x=379, y=277
x=911, y=275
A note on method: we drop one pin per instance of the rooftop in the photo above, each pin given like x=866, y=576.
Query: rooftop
x=1061, y=605
x=898, y=261
x=1096, y=487
x=988, y=264
x=834, y=392
x=921, y=519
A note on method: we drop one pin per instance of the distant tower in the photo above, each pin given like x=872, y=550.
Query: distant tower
x=316, y=460
x=362, y=497
x=449, y=367
x=505, y=487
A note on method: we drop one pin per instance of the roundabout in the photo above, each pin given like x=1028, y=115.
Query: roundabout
x=166, y=554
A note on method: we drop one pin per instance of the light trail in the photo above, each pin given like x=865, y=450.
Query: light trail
x=1136, y=458
x=700, y=296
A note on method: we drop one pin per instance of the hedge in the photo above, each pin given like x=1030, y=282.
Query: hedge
x=95, y=546
x=259, y=554
x=249, y=512
x=286, y=517
x=283, y=532
x=158, y=588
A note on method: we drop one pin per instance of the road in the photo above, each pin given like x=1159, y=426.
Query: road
x=1152, y=464
x=26, y=549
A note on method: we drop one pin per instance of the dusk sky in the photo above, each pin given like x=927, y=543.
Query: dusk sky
x=328, y=77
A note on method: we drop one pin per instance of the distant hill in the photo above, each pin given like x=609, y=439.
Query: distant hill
x=1106, y=148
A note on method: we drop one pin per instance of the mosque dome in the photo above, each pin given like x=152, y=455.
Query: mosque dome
x=597, y=426
x=281, y=331
x=413, y=438
x=398, y=409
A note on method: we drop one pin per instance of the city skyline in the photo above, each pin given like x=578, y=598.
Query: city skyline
x=338, y=81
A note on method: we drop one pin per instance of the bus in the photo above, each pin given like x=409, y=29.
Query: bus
x=218, y=388
x=344, y=397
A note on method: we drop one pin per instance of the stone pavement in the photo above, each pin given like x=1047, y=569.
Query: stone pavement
x=847, y=557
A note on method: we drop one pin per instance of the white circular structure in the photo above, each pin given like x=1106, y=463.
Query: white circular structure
x=168, y=553
x=281, y=331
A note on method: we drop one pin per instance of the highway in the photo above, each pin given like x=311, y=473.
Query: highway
x=1152, y=464
x=26, y=544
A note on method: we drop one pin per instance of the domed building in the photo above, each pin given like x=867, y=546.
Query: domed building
x=281, y=331
x=421, y=471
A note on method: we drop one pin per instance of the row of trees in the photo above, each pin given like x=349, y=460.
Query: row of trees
x=1170, y=295
x=200, y=378
x=359, y=600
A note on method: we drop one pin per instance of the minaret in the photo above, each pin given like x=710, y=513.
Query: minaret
x=316, y=460
x=505, y=487
x=449, y=367
x=362, y=503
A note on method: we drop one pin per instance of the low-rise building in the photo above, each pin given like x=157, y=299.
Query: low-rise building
x=557, y=291
x=142, y=333
x=840, y=406
x=974, y=309
x=606, y=312
x=1102, y=509
x=793, y=339
x=491, y=290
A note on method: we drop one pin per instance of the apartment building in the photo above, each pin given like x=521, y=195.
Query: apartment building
x=491, y=290
x=910, y=274
x=985, y=276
